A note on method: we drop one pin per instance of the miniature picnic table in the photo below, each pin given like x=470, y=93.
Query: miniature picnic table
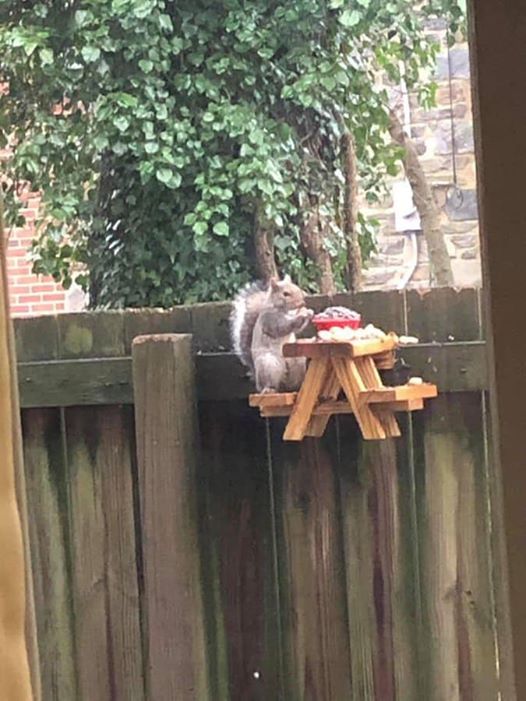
x=351, y=367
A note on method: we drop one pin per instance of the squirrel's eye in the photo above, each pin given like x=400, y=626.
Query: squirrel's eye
x=286, y=294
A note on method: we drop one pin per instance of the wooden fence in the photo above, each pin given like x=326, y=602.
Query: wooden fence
x=246, y=568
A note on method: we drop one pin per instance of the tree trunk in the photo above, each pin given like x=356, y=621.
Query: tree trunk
x=96, y=246
x=264, y=251
x=425, y=204
x=350, y=213
x=312, y=241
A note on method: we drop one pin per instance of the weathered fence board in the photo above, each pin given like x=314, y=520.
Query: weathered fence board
x=49, y=535
x=312, y=578
x=329, y=570
x=376, y=495
x=454, y=520
x=108, y=334
x=454, y=367
x=114, y=455
x=88, y=556
x=166, y=427
x=240, y=576
x=454, y=534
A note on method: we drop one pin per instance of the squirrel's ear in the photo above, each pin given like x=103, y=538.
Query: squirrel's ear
x=274, y=283
x=287, y=280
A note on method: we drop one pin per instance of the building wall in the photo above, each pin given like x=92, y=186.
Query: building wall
x=30, y=295
x=447, y=155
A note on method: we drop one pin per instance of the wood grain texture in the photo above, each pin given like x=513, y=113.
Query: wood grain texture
x=103, y=333
x=272, y=399
x=88, y=547
x=454, y=367
x=240, y=577
x=328, y=408
x=98, y=334
x=353, y=384
x=344, y=349
x=21, y=496
x=166, y=428
x=306, y=399
x=328, y=572
x=15, y=673
x=372, y=380
x=329, y=392
x=498, y=556
x=374, y=565
x=400, y=393
x=117, y=465
x=454, y=518
x=408, y=640
x=49, y=536
x=314, y=606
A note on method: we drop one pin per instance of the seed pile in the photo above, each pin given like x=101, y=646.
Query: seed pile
x=345, y=333
x=337, y=313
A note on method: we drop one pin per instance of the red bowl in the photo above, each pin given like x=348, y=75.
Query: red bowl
x=326, y=324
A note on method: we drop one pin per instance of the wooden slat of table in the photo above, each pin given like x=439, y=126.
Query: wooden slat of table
x=306, y=400
x=328, y=408
x=338, y=349
x=401, y=392
x=272, y=399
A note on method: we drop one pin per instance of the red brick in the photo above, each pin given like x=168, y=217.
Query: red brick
x=53, y=297
x=19, y=289
x=42, y=307
x=19, y=309
x=29, y=299
x=16, y=253
x=44, y=287
x=27, y=279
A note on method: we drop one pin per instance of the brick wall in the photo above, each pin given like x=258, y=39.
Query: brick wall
x=30, y=295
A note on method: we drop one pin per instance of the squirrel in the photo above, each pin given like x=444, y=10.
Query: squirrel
x=264, y=318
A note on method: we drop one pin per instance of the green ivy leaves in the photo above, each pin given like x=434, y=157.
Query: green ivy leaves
x=160, y=133
x=349, y=18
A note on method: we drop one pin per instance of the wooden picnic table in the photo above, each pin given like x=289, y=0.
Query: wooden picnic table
x=348, y=368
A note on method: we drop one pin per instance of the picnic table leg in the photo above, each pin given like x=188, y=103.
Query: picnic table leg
x=372, y=380
x=330, y=390
x=348, y=373
x=307, y=399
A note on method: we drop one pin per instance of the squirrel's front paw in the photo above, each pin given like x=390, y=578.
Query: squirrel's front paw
x=306, y=313
x=268, y=390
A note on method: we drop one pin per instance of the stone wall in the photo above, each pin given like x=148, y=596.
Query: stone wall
x=444, y=138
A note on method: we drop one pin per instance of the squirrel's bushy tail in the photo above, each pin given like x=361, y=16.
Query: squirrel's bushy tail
x=248, y=303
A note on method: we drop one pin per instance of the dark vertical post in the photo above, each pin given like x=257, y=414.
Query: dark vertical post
x=166, y=429
x=498, y=38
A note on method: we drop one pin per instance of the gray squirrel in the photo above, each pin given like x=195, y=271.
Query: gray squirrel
x=264, y=318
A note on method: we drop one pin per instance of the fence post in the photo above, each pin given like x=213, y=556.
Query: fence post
x=17, y=633
x=166, y=429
